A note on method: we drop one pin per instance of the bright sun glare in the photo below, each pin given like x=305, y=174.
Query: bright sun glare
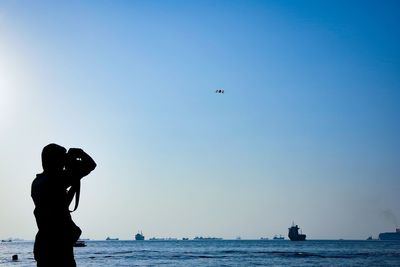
x=8, y=91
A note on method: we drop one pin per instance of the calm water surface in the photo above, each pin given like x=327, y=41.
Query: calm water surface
x=220, y=253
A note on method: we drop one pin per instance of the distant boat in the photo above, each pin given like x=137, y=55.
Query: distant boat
x=280, y=237
x=207, y=238
x=80, y=243
x=185, y=238
x=294, y=233
x=163, y=239
x=111, y=239
x=393, y=236
x=264, y=238
x=139, y=236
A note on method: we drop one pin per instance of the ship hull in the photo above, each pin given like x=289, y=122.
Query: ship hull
x=139, y=238
x=297, y=238
x=390, y=236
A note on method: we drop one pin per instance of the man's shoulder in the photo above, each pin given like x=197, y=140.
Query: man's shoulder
x=39, y=177
x=39, y=180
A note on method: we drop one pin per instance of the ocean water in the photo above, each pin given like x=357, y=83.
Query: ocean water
x=220, y=253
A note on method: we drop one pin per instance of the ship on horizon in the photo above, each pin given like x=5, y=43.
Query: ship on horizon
x=278, y=237
x=392, y=236
x=294, y=233
x=139, y=236
x=207, y=238
x=80, y=243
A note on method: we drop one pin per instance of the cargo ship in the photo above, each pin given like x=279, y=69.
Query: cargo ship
x=393, y=236
x=294, y=233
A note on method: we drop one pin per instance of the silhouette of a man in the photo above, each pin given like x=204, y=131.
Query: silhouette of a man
x=52, y=192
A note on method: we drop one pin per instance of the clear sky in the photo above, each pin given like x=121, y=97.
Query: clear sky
x=307, y=130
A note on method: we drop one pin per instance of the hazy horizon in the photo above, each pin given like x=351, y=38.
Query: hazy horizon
x=306, y=131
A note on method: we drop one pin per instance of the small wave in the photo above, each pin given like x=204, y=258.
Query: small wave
x=304, y=254
x=124, y=252
x=205, y=257
x=231, y=251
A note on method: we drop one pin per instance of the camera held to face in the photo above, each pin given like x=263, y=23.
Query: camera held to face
x=78, y=162
x=74, y=159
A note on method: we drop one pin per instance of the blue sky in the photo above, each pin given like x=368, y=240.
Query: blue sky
x=307, y=129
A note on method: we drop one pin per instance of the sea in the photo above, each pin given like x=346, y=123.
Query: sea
x=219, y=253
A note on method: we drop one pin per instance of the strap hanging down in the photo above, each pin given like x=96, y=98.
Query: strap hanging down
x=77, y=189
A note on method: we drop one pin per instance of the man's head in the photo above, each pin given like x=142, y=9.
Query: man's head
x=53, y=158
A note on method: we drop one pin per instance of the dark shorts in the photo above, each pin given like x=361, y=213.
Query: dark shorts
x=49, y=251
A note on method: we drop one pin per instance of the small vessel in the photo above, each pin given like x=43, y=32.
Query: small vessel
x=163, y=239
x=294, y=233
x=111, y=239
x=139, y=236
x=393, y=236
x=207, y=238
x=80, y=243
x=280, y=237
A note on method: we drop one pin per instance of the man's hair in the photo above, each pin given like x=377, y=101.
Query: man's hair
x=53, y=157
